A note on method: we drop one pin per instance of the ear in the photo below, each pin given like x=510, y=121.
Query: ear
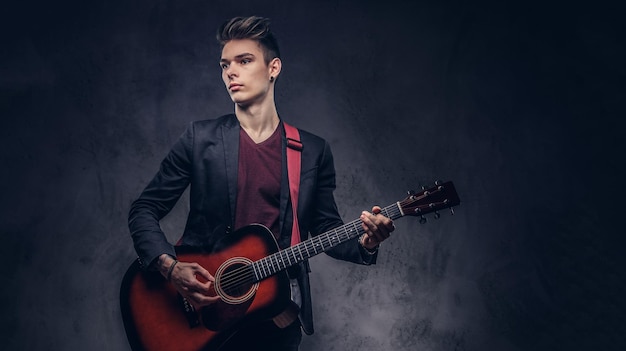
x=274, y=67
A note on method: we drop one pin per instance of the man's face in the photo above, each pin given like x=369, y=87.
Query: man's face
x=244, y=72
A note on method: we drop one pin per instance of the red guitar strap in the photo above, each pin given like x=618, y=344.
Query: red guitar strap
x=294, y=153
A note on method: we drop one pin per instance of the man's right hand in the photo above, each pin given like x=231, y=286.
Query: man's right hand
x=184, y=277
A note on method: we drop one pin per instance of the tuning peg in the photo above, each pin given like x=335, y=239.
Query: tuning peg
x=424, y=187
x=411, y=192
x=422, y=220
x=437, y=215
x=452, y=211
x=438, y=182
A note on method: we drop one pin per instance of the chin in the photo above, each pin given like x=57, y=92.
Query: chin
x=241, y=103
x=237, y=100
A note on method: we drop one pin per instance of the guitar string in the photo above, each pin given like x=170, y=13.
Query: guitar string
x=245, y=275
x=272, y=264
x=275, y=259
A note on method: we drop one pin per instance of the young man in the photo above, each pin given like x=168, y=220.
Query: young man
x=236, y=166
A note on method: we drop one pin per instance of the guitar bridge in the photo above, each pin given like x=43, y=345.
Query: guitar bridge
x=190, y=312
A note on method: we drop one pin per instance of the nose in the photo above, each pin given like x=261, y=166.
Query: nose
x=230, y=72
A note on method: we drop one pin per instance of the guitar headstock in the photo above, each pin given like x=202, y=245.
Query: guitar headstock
x=441, y=196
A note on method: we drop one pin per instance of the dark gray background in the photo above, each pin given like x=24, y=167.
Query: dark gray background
x=520, y=105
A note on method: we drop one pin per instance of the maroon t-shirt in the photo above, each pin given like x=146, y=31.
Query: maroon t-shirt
x=258, y=182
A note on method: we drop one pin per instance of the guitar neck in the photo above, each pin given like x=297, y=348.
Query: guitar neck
x=293, y=255
x=443, y=195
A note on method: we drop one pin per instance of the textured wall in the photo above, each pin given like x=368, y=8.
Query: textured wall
x=520, y=106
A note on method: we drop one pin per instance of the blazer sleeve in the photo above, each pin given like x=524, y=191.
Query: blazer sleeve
x=326, y=215
x=157, y=200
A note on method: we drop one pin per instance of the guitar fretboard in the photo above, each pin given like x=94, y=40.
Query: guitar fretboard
x=293, y=255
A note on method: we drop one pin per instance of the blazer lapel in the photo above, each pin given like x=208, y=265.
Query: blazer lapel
x=230, y=138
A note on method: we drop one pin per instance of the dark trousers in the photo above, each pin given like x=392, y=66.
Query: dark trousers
x=265, y=336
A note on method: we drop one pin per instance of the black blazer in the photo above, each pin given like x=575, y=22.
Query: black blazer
x=205, y=157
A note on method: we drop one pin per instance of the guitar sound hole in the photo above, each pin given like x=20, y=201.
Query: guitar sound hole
x=235, y=281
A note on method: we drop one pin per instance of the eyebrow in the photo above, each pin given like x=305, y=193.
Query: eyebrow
x=240, y=56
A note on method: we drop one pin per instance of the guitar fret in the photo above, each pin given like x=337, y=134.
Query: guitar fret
x=259, y=268
x=385, y=211
x=397, y=210
x=342, y=236
x=280, y=262
x=318, y=244
x=256, y=273
x=277, y=261
x=300, y=250
x=293, y=252
x=274, y=263
x=262, y=268
x=324, y=241
x=287, y=260
x=355, y=230
x=269, y=265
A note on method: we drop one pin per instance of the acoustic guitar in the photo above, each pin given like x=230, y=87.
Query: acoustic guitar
x=250, y=278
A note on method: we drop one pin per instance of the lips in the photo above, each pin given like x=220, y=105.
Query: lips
x=234, y=86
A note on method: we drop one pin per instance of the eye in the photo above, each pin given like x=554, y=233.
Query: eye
x=224, y=65
x=245, y=61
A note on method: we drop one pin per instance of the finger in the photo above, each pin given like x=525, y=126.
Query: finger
x=368, y=224
x=382, y=220
x=196, y=278
x=199, y=300
x=376, y=210
x=381, y=229
x=199, y=287
x=373, y=241
x=201, y=271
x=204, y=299
x=388, y=226
x=370, y=242
x=186, y=277
x=193, y=284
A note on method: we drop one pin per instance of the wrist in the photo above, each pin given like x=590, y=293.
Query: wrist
x=170, y=270
x=164, y=264
x=370, y=250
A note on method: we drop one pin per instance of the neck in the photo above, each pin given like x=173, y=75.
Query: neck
x=259, y=121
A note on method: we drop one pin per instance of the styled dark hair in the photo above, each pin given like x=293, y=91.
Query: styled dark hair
x=254, y=28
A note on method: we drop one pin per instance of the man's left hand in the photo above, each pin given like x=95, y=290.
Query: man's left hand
x=377, y=228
